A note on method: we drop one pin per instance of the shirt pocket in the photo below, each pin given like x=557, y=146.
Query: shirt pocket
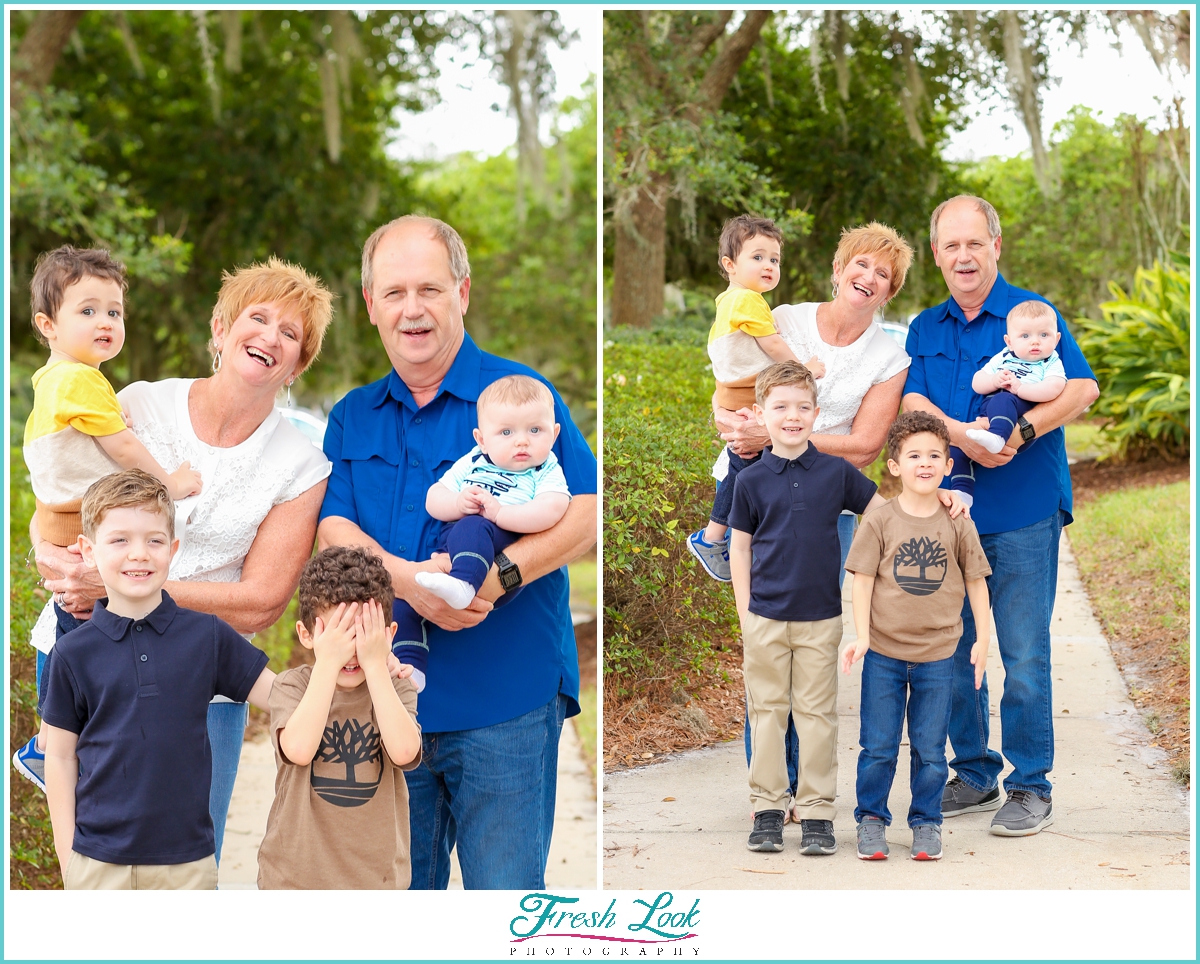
x=374, y=479
x=938, y=354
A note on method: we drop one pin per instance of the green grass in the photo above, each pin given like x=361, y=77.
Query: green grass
x=1143, y=533
x=583, y=583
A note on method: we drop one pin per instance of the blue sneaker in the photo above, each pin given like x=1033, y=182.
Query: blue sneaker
x=31, y=763
x=713, y=556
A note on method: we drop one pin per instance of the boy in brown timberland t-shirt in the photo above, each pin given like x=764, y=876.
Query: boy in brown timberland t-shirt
x=340, y=816
x=912, y=565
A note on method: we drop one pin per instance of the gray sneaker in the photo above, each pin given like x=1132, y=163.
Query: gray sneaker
x=872, y=839
x=927, y=842
x=1024, y=813
x=713, y=556
x=959, y=798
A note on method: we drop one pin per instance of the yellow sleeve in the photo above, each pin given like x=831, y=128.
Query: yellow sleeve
x=83, y=399
x=750, y=313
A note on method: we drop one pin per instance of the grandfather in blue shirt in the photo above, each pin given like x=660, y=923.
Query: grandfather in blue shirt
x=499, y=683
x=1022, y=502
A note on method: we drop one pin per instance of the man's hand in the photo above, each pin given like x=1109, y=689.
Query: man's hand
x=740, y=429
x=432, y=607
x=335, y=643
x=978, y=454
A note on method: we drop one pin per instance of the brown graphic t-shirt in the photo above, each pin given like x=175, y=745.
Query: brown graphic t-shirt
x=342, y=821
x=921, y=566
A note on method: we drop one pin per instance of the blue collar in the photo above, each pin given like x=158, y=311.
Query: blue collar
x=777, y=463
x=996, y=303
x=461, y=381
x=117, y=627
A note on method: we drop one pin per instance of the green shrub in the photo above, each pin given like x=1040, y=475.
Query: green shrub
x=662, y=613
x=1140, y=353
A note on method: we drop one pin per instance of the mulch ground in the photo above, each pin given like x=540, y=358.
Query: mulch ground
x=1145, y=650
x=658, y=719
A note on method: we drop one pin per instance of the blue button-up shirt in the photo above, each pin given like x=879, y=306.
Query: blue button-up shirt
x=386, y=453
x=947, y=351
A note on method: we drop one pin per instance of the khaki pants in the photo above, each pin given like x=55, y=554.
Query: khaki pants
x=85, y=873
x=792, y=667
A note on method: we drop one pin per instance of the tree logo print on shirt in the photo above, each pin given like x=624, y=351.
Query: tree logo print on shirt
x=920, y=566
x=349, y=749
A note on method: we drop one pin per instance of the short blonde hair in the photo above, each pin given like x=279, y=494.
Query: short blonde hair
x=131, y=489
x=283, y=284
x=456, y=251
x=780, y=374
x=1030, y=310
x=876, y=239
x=515, y=390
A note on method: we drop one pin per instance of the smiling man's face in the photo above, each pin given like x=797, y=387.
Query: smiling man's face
x=966, y=253
x=415, y=302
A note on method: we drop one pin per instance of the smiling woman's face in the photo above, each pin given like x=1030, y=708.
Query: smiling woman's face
x=864, y=281
x=263, y=343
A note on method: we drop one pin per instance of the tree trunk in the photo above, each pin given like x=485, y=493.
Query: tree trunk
x=639, y=258
x=43, y=43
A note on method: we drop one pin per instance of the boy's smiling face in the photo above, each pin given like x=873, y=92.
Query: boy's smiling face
x=89, y=326
x=922, y=463
x=132, y=550
x=789, y=413
x=756, y=266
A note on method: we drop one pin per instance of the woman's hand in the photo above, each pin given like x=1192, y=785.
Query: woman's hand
x=741, y=430
x=953, y=501
x=64, y=573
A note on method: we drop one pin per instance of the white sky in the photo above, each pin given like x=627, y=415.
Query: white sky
x=465, y=119
x=1109, y=82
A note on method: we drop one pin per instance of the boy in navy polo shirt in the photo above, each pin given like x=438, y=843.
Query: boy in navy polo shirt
x=128, y=765
x=784, y=560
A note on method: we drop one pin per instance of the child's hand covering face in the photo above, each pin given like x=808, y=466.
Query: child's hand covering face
x=335, y=642
x=372, y=635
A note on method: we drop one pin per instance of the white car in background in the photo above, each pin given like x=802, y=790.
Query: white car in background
x=898, y=333
x=312, y=424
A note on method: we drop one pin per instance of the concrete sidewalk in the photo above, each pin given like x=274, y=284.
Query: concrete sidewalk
x=572, y=863
x=1120, y=819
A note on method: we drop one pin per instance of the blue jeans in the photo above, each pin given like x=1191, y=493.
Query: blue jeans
x=65, y=623
x=226, y=731
x=847, y=525
x=889, y=688
x=491, y=792
x=724, y=499
x=1022, y=585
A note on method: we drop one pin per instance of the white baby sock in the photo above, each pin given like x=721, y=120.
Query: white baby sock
x=458, y=593
x=989, y=440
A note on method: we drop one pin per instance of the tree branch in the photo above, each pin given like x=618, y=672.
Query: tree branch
x=737, y=48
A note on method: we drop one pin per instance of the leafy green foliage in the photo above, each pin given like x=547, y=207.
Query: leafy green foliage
x=1140, y=352
x=32, y=863
x=662, y=613
x=533, y=285
x=1097, y=229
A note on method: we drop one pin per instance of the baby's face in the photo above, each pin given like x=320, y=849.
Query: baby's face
x=89, y=326
x=756, y=266
x=1032, y=339
x=516, y=437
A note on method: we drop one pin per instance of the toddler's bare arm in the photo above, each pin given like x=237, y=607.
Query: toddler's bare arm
x=537, y=515
x=127, y=450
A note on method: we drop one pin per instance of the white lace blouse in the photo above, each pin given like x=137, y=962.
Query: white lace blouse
x=850, y=370
x=242, y=483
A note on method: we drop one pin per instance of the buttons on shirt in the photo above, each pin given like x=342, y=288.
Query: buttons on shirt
x=417, y=420
x=138, y=627
x=409, y=507
x=144, y=657
x=415, y=463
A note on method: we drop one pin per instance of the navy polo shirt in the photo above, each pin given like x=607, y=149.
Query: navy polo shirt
x=790, y=508
x=136, y=691
x=947, y=351
x=386, y=453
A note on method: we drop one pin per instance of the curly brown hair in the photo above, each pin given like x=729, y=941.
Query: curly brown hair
x=914, y=423
x=343, y=574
